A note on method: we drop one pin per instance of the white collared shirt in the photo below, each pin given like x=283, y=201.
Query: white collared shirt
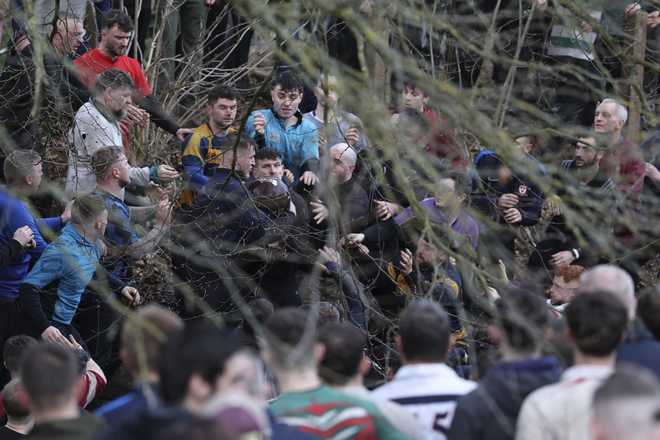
x=429, y=392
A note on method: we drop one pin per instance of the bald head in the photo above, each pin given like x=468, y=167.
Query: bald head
x=613, y=279
x=344, y=159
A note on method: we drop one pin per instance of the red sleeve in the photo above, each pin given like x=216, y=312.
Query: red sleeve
x=85, y=71
x=92, y=385
x=139, y=78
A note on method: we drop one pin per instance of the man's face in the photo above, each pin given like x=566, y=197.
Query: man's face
x=427, y=254
x=562, y=292
x=121, y=170
x=525, y=144
x=285, y=102
x=585, y=153
x=245, y=161
x=73, y=34
x=117, y=100
x=606, y=120
x=115, y=41
x=445, y=195
x=102, y=223
x=331, y=97
x=37, y=176
x=339, y=169
x=268, y=168
x=414, y=98
x=223, y=112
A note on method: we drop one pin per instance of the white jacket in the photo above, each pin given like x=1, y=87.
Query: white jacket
x=92, y=131
x=429, y=392
x=562, y=411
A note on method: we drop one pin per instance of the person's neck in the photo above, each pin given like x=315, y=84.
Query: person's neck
x=105, y=52
x=354, y=382
x=112, y=187
x=20, y=191
x=66, y=412
x=88, y=232
x=587, y=174
x=292, y=381
x=217, y=129
x=585, y=359
x=22, y=427
x=289, y=121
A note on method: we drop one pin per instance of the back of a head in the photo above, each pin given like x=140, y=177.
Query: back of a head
x=19, y=164
x=112, y=79
x=346, y=153
x=522, y=316
x=103, y=160
x=49, y=373
x=424, y=330
x=611, y=279
x=86, y=209
x=15, y=401
x=116, y=17
x=14, y=350
x=344, y=348
x=144, y=337
x=232, y=143
x=648, y=310
x=290, y=335
x=201, y=349
x=597, y=322
x=627, y=405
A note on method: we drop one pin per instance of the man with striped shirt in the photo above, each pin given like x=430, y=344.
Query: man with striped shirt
x=425, y=385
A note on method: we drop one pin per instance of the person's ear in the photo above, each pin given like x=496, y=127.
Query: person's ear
x=495, y=335
x=599, y=155
x=399, y=347
x=365, y=365
x=319, y=352
x=198, y=389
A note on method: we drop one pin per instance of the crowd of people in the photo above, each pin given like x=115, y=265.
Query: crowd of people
x=322, y=285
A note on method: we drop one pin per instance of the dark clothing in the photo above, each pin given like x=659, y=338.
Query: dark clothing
x=9, y=252
x=128, y=408
x=8, y=434
x=640, y=348
x=86, y=427
x=352, y=207
x=560, y=236
x=63, y=92
x=150, y=425
x=490, y=412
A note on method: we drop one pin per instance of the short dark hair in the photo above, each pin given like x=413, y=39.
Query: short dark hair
x=86, y=208
x=648, y=309
x=224, y=92
x=285, y=330
x=424, y=330
x=627, y=381
x=112, y=79
x=143, y=338
x=522, y=315
x=19, y=164
x=14, y=350
x=344, y=348
x=242, y=143
x=288, y=80
x=42, y=363
x=15, y=401
x=116, y=17
x=597, y=321
x=201, y=348
x=267, y=154
x=104, y=158
x=409, y=83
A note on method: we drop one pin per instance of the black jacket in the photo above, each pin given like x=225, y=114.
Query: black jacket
x=10, y=252
x=490, y=412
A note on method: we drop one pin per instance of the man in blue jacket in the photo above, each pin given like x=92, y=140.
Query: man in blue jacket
x=23, y=173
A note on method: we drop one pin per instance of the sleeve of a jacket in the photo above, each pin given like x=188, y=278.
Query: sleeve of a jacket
x=158, y=114
x=139, y=176
x=9, y=252
x=531, y=211
x=30, y=302
x=531, y=424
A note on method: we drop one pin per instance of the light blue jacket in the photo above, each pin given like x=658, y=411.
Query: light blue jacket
x=297, y=144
